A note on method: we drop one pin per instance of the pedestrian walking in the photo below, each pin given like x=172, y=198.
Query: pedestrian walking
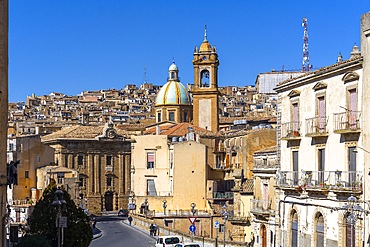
x=155, y=229
x=129, y=220
x=151, y=230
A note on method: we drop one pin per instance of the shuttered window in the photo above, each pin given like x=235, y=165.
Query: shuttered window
x=352, y=108
x=322, y=114
x=151, y=190
x=150, y=157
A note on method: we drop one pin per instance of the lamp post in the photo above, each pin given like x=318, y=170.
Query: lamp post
x=146, y=205
x=353, y=211
x=58, y=202
x=87, y=210
x=164, y=205
x=193, y=210
x=224, y=215
x=131, y=204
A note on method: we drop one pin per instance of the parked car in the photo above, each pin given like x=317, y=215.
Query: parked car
x=167, y=241
x=123, y=213
x=187, y=245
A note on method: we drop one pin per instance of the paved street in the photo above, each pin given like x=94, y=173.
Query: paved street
x=116, y=233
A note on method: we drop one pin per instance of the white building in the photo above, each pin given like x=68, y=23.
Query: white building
x=323, y=148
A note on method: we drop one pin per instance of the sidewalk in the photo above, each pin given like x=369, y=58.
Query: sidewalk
x=96, y=233
x=139, y=229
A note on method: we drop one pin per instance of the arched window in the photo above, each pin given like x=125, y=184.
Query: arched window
x=319, y=230
x=204, y=78
x=294, y=229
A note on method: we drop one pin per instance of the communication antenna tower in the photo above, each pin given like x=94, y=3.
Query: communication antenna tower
x=306, y=59
x=144, y=74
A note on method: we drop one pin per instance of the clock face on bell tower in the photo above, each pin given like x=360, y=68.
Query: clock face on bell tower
x=205, y=91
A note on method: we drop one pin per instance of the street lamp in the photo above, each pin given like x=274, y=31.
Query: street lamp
x=224, y=214
x=164, y=207
x=353, y=211
x=146, y=204
x=193, y=210
x=58, y=202
x=131, y=204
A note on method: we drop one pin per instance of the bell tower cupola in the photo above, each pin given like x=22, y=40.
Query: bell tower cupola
x=205, y=90
x=173, y=72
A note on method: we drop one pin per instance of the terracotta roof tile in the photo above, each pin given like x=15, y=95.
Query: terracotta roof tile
x=79, y=132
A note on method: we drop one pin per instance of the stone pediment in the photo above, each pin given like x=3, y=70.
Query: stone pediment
x=110, y=133
x=350, y=76
x=294, y=93
x=320, y=85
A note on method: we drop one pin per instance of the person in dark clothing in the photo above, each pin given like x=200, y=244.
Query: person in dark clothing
x=155, y=229
x=129, y=220
x=151, y=230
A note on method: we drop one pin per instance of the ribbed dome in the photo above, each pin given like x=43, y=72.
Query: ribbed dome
x=205, y=46
x=173, y=93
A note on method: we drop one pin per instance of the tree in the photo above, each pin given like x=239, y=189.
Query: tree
x=43, y=220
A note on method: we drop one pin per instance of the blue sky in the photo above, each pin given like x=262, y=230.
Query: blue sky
x=71, y=46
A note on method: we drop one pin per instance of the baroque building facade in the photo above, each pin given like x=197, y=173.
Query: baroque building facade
x=101, y=155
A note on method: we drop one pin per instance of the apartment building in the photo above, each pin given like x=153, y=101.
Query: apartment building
x=323, y=152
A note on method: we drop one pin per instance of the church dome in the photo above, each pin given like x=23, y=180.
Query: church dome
x=205, y=46
x=173, y=93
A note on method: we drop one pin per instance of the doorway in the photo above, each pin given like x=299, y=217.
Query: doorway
x=108, y=198
x=263, y=236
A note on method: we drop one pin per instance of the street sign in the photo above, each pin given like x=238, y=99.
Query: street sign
x=192, y=228
x=217, y=224
x=63, y=222
x=192, y=220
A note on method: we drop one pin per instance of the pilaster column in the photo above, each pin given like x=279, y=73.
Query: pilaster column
x=97, y=173
x=90, y=169
x=70, y=160
x=127, y=167
x=60, y=158
x=121, y=174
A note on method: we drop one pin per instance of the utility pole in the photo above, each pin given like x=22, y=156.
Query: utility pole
x=3, y=115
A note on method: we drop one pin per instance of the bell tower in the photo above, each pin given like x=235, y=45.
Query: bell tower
x=205, y=90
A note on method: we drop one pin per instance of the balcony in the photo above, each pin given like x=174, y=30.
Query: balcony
x=261, y=207
x=317, y=126
x=219, y=149
x=222, y=196
x=347, y=122
x=337, y=181
x=290, y=131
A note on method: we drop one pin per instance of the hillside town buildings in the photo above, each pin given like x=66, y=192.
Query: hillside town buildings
x=284, y=162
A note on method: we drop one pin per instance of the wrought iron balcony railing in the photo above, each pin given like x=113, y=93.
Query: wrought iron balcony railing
x=332, y=180
x=347, y=122
x=223, y=195
x=317, y=126
x=291, y=130
x=261, y=206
